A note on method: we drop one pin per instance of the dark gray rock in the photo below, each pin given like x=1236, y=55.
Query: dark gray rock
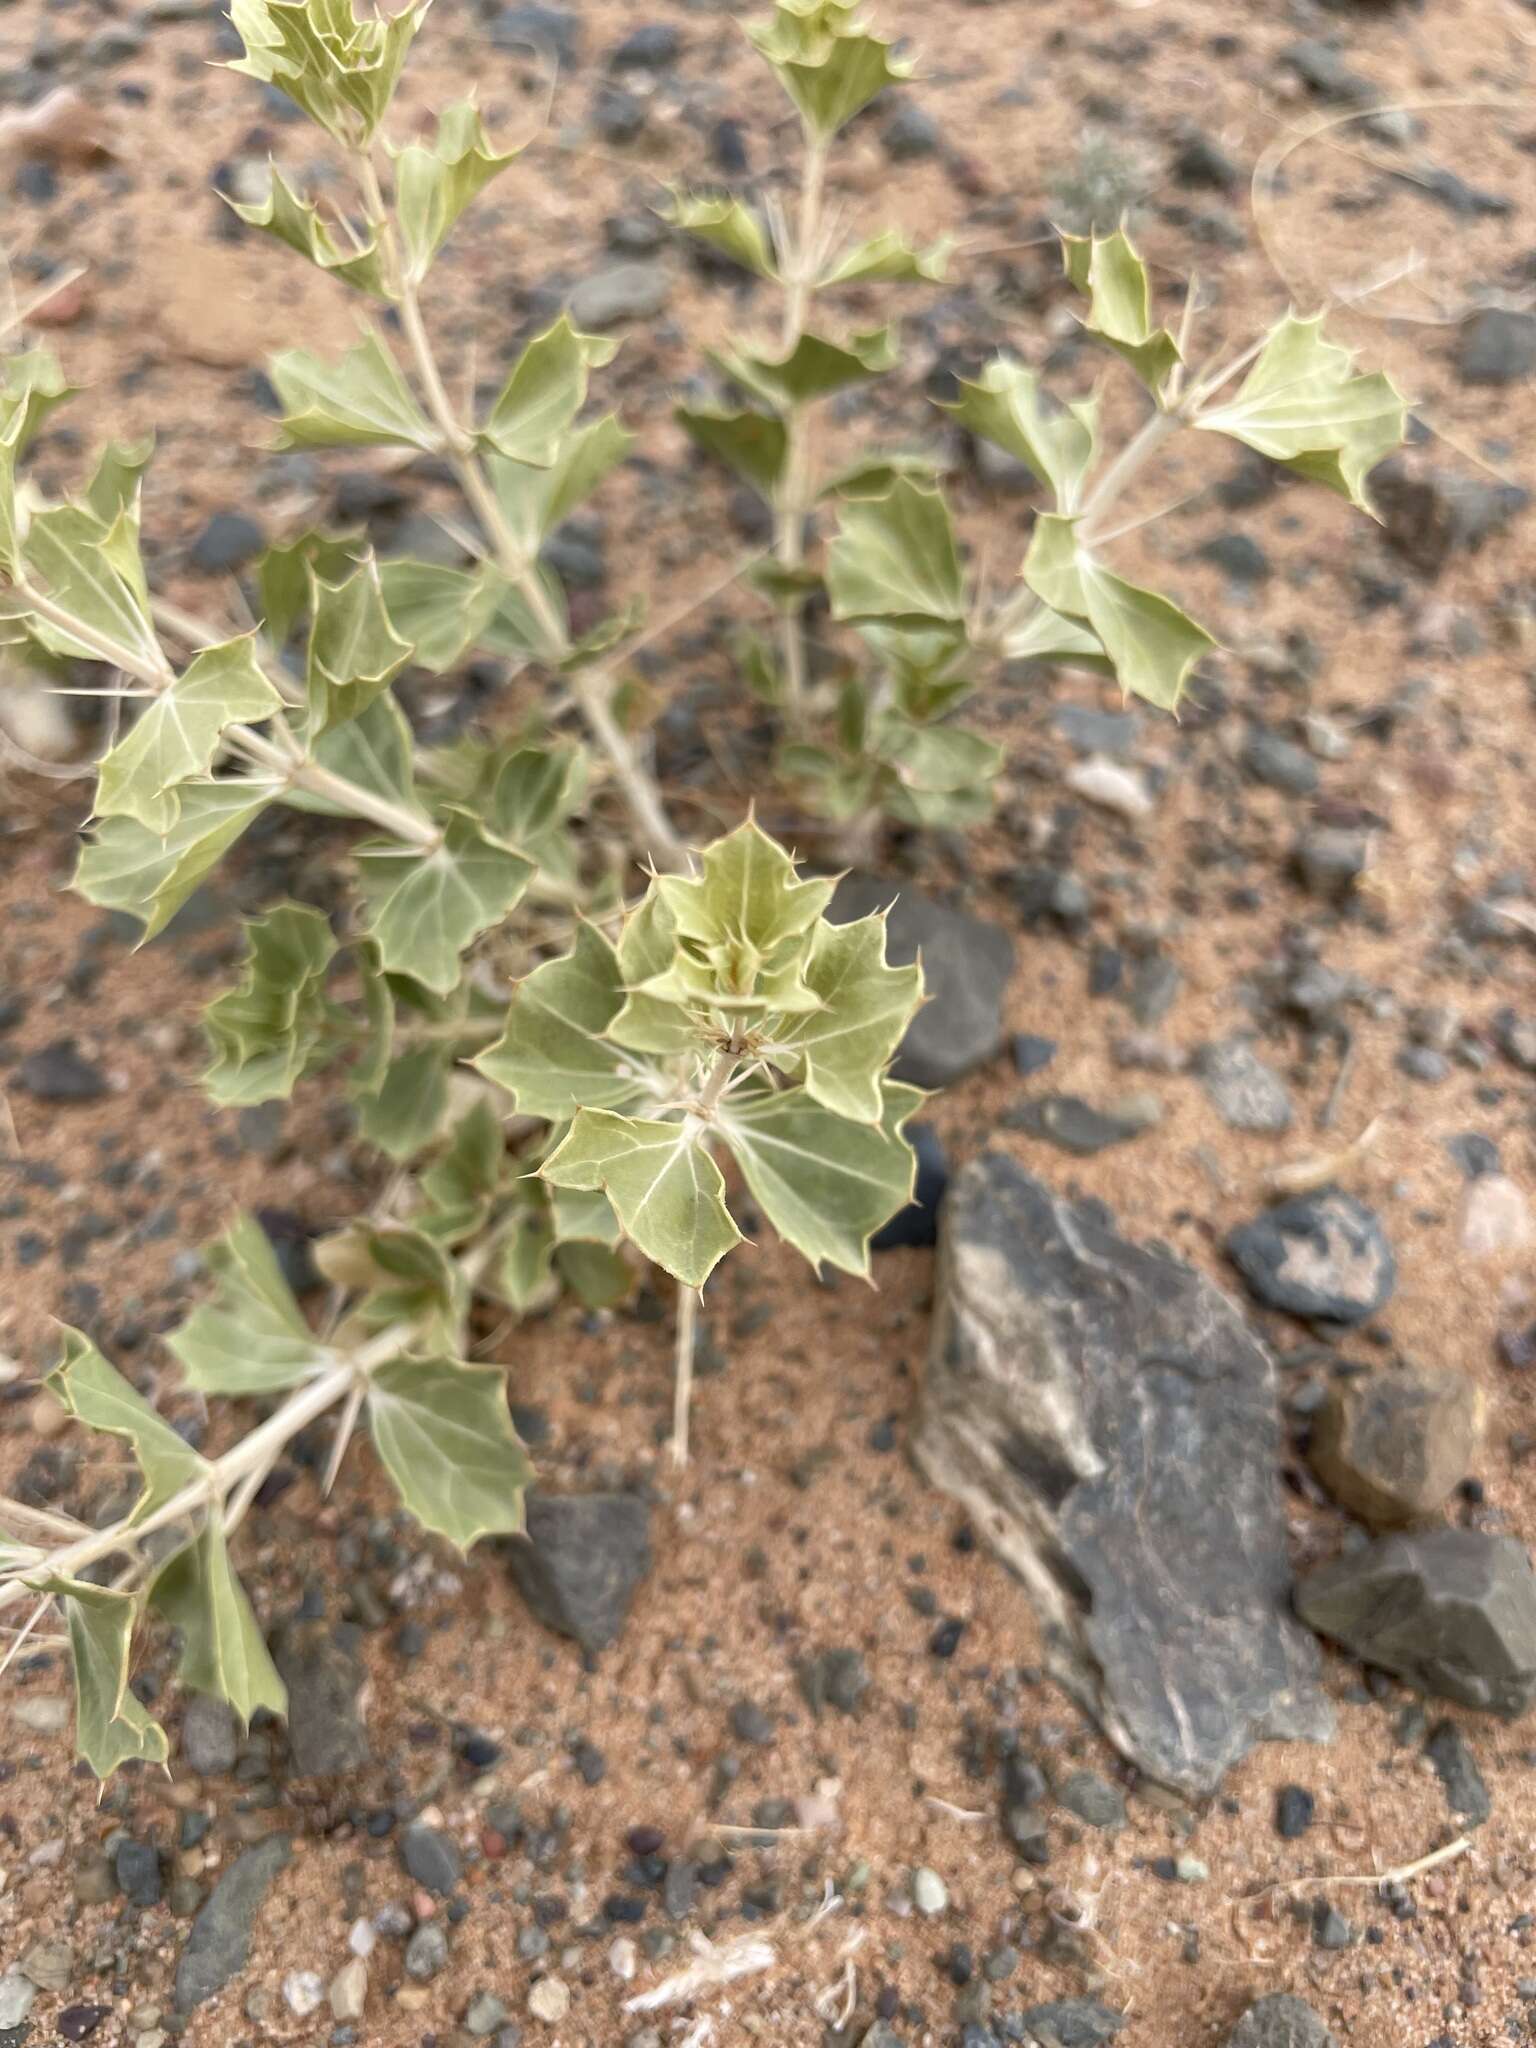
x=620, y=292
x=426, y=1953
x=1323, y=1255
x=1244, y=1091
x=581, y=1560
x=1514, y=1033
x=1451, y=1610
x=1280, y=2021
x=1099, y=1409
x=1203, y=165
x=1497, y=347
x=60, y=1073
x=1431, y=515
x=209, y=1744
x=226, y=543
x=219, y=1944
x=1280, y=764
x=1238, y=556
x=966, y=966
x=136, y=1866
x=1330, y=859
x=918, y=1224
x=1075, y=1126
x=1456, y=1767
x=655, y=46
x=1324, y=71
x=911, y=133
x=1330, y=1930
x=431, y=1859
x=835, y=1678
x=548, y=31
x=324, y=1678
x=1093, y=1799
x=1072, y=2023
x=1295, y=1810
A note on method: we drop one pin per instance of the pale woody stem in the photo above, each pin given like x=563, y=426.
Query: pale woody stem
x=689, y=1298
x=592, y=687
x=797, y=484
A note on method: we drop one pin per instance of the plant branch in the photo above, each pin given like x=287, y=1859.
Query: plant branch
x=688, y=1299
x=797, y=485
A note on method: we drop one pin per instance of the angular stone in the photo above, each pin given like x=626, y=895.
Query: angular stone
x=620, y=292
x=1323, y=1255
x=1433, y=514
x=1072, y=2023
x=581, y=1560
x=1391, y=1446
x=219, y=1945
x=324, y=1678
x=208, y=1739
x=1100, y=1409
x=431, y=1858
x=1451, y=1610
x=1456, y=1768
x=1244, y=1091
x=1498, y=346
x=1280, y=2021
x=967, y=963
x=1075, y=1126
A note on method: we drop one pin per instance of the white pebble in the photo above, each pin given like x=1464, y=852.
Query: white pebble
x=550, y=1999
x=1112, y=787
x=349, y=1990
x=303, y=1990
x=363, y=1938
x=928, y=1892
x=624, y=1959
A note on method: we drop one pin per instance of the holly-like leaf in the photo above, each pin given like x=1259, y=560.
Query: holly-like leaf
x=876, y=474
x=222, y=1649
x=843, y=1048
x=91, y=568
x=440, y=612
x=827, y=61
x=1119, y=290
x=435, y=182
x=1047, y=635
x=936, y=774
x=532, y=793
x=296, y=221
x=727, y=225
x=647, y=950
x=1007, y=406
x=814, y=368
x=895, y=557
x=460, y=1186
x=407, y=1276
x=340, y=70
x=111, y=1727
x=889, y=258
x=535, y=501
x=445, y=1436
x=178, y=733
x=747, y=906
x=375, y=750
x=125, y=866
x=252, y=1337
x=826, y=1185
x=1302, y=404
x=32, y=385
x=554, y=1056
x=268, y=1031
x=666, y=1190
x=754, y=444
x=96, y=1394
x=285, y=574
x=405, y=1111
x=360, y=400
x=425, y=908
x=354, y=650
x=1151, y=643
x=546, y=390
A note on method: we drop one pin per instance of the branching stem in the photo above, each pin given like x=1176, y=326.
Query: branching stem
x=797, y=486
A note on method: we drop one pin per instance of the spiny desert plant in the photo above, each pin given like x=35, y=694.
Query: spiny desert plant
x=563, y=1068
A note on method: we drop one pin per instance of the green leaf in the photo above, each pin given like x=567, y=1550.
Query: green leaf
x=523, y=1271
x=114, y=486
x=532, y=794
x=601, y=639
x=285, y=575
x=222, y=1649
x=252, y=1337
x=434, y=184
x=746, y=907
x=341, y=71
x=726, y=225
x=372, y=1064
x=376, y=750
x=460, y=1186
x=666, y=1190
x=270, y=1030
x=843, y=1048
x=297, y=222
x=814, y=368
x=828, y=63
x=1120, y=304
x=425, y=908
x=96, y=1394
x=409, y=1277
x=111, y=1727
x=535, y=501
x=360, y=400
x=596, y=1275
x=404, y=1113
x=1007, y=406
x=439, y=611
x=936, y=774
x=32, y=385
x=1151, y=643
x=889, y=258
x=554, y=1056
x=754, y=444
x=874, y=475
x=445, y=1436
x=354, y=650
x=91, y=568
x=179, y=732
x=647, y=949
x=895, y=557
x=546, y=390
x=825, y=1185
x=1047, y=635
x=1303, y=405
x=125, y=866
x=12, y=425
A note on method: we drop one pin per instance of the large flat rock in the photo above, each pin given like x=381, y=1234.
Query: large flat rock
x=1108, y=1420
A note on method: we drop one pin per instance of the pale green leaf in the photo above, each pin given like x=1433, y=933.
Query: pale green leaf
x=1048, y=635
x=747, y=901
x=435, y=182
x=1150, y=642
x=826, y=1185
x=545, y=392
x=874, y=475
x=439, y=611
x=408, y=1277
x=533, y=792
x=296, y=221
x=285, y=574
x=111, y=1727
x=177, y=734
x=842, y=1048
x=889, y=258
x=222, y=1649
x=727, y=225
x=936, y=759
x=895, y=557
x=535, y=501
x=814, y=368
x=1119, y=290
x=647, y=949
x=125, y=866
x=270, y=1029
x=827, y=61
x=32, y=385
x=444, y=1433
x=459, y=1186
x=554, y=1056
x=342, y=71
x=424, y=908
x=114, y=485
x=1302, y=404
x=375, y=750
x=1007, y=406
x=354, y=650
x=91, y=568
x=666, y=1190
x=96, y=1394
x=754, y=444
x=360, y=400
x=252, y=1337
x=523, y=1275
x=597, y=1276
x=404, y=1113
